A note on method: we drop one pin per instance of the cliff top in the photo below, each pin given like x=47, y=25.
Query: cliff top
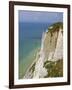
x=55, y=27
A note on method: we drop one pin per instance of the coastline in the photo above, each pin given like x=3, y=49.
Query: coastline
x=30, y=63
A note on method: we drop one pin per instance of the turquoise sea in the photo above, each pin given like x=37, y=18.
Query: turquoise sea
x=29, y=44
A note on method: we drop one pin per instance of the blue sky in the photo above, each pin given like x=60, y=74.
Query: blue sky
x=40, y=16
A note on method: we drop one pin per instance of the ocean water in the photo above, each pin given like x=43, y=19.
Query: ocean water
x=30, y=35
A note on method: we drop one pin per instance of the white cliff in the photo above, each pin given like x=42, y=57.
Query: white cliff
x=51, y=50
x=58, y=54
x=40, y=71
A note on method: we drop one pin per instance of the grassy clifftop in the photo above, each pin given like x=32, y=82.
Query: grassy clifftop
x=55, y=27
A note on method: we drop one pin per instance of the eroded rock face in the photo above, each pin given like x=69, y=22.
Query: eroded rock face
x=58, y=54
x=51, y=50
x=40, y=71
x=53, y=45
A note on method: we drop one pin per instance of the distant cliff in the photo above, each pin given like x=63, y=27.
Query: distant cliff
x=49, y=60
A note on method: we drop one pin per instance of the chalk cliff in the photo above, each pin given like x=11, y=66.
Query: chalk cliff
x=49, y=60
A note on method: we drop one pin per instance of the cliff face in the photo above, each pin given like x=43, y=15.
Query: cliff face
x=53, y=45
x=50, y=56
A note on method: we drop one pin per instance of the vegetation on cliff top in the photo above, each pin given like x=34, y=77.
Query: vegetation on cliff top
x=55, y=27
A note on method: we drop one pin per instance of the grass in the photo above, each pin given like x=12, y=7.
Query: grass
x=55, y=27
x=54, y=69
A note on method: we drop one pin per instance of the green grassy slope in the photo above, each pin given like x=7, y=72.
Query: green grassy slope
x=54, y=69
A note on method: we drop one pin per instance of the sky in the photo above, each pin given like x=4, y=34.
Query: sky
x=40, y=16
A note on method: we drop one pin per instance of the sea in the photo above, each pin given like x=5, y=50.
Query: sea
x=30, y=35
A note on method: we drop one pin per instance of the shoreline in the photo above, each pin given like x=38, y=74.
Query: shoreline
x=30, y=63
